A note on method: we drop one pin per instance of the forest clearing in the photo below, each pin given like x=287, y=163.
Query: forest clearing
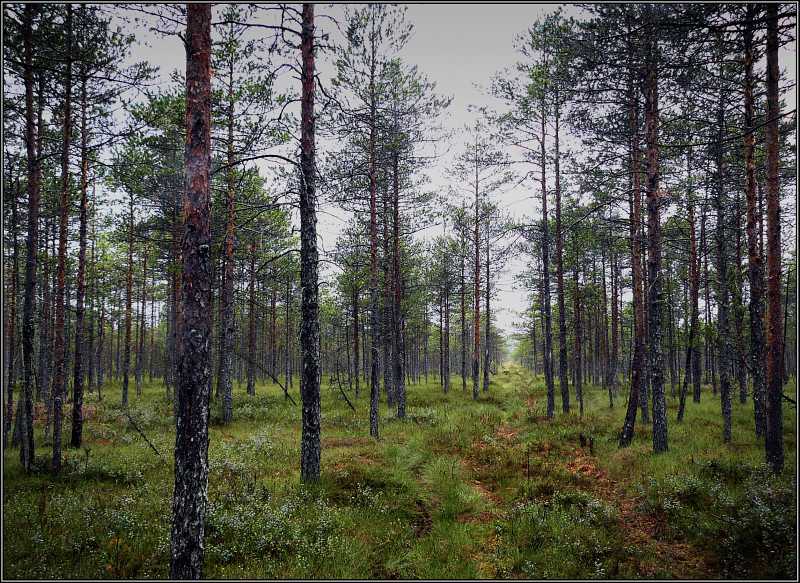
x=459, y=489
x=399, y=291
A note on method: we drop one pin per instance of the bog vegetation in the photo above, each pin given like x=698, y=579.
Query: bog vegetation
x=199, y=384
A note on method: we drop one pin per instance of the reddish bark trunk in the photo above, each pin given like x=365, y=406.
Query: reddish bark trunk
x=194, y=372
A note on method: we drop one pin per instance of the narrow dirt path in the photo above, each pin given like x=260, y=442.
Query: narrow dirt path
x=640, y=530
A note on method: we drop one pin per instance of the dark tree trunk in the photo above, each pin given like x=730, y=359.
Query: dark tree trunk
x=755, y=272
x=59, y=348
x=612, y=372
x=373, y=258
x=399, y=320
x=309, y=326
x=194, y=372
x=227, y=323
x=140, y=336
x=463, y=313
x=723, y=325
x=578, y=334
x=487, y=359
x=32, y=241
x=476, y=316
x=655, y=296
x=12, y=327
x=251, y=332
x=77, y=381
x=548, y=326
x=356, y=329
x=774, y=380
x=692, y=345
x=626, y=436
x=563, y=367
x=126, y=358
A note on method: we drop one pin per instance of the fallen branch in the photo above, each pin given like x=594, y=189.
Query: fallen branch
x=140, y=432
x=341, y=390
x=262, y=369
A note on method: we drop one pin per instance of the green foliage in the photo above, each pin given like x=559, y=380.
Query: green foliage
x=458, y=489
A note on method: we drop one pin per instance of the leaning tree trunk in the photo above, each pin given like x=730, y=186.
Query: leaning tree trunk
x=309, y=326
x=190, y=497
x=59, y=348
x=774, y=380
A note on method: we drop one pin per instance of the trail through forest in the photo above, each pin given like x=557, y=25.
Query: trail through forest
x=459, y=488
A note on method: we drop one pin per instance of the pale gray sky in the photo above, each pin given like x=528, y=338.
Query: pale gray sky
x=457, y=46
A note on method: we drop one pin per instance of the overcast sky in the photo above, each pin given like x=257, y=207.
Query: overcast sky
x=460, y=47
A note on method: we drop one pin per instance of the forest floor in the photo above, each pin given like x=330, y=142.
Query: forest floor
x=460, y=489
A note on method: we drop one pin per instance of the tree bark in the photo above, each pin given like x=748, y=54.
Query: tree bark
x=626, y=436
x=548, y=331
x=476, y=349
x=774, y=379
x=563, y=367
x=77, y=381
x=227, y=323
x=309, y=327
x=59, y=348
x=190, y=497
x=33, y=150
x=723, y=325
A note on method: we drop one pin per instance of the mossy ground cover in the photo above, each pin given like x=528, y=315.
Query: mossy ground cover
x=459, y=489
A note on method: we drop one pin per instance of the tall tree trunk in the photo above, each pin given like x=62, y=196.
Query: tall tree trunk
x=309, y=327
x=12, y=322
x=227, y=322
x=723, y=325
x=399, y=320
x=692, y=345
x=77, y=381
x=774, y=380
x=59, y=349
x=548, y=326
x=463, y=294
x=578, y=334
x=142, y=332
x=487, y=359
x=373, y=251
x=126, y=358
x=476, y=315
x=33, y=150
x=755, y=271
x=190, y=496
x=563, y=367
x=612, y=374
x=655, y=296
x=637, y=358
x=356, y=329
x=251, y=332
